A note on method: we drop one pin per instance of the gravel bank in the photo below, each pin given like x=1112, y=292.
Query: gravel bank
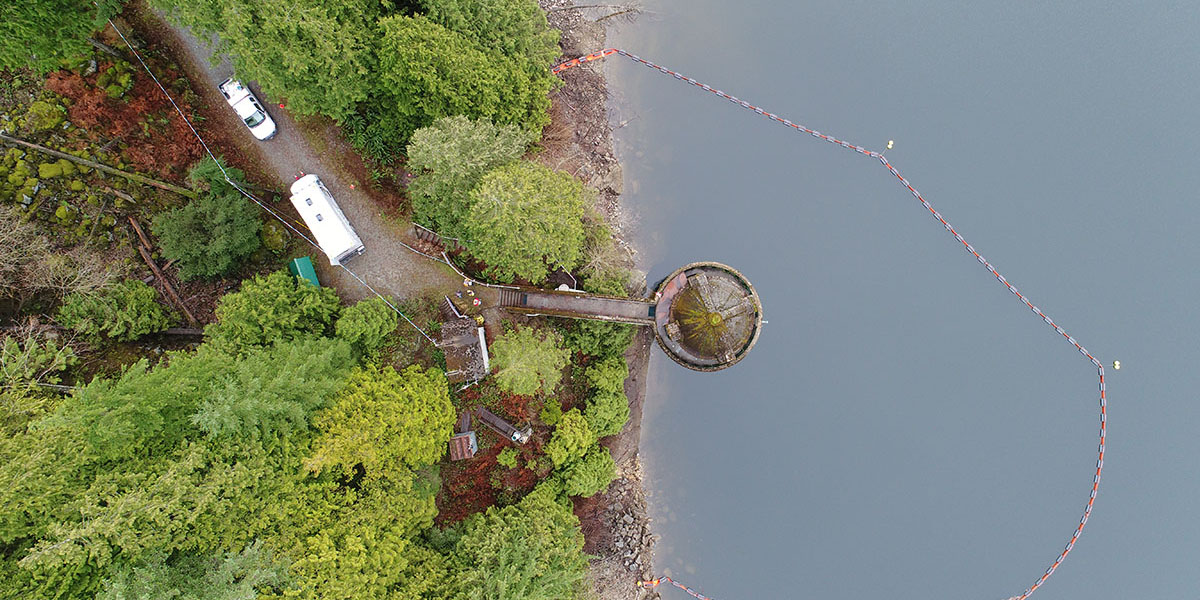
x=579, y=140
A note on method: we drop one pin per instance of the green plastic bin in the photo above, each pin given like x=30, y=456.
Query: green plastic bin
x=303, y=268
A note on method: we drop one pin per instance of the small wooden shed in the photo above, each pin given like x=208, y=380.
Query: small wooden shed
x=463, y=446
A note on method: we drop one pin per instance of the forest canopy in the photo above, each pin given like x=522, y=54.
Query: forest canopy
x=385, y=71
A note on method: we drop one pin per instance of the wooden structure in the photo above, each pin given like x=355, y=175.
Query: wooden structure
x=464, y=345
x=577, y=305
x=502, y=427
x=463, y=446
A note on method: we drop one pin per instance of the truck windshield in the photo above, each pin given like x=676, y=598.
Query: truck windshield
x=255, y=119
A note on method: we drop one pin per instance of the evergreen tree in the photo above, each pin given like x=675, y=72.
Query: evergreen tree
x=231, y=576
x=590, y=474
x=39, y=34
x=607, y=375
x=214, y=233
x=532, y=550
x=270, y=309
x=427, y=71
x=528, y=360
x=599, y=339
x=366, y=325
x=316, y=54
x=385, y=422
x=449, y=158
x=525, y=217
x=121, y=312
x=607, y=412
x=516, y=28
x=571, y=439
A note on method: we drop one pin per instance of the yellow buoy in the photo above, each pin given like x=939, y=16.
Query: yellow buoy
x=1116, y=365
x=890, y=142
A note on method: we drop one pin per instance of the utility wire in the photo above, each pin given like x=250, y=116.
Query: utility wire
x=250, y=196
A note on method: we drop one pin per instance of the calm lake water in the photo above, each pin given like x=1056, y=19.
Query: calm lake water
x=905, y=428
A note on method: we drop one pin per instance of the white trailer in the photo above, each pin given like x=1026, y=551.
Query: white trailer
x=321, y=213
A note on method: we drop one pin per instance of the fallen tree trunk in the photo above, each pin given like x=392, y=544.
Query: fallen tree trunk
x=100, y=167
x=185, y=331
x=179, y=331
x=137, y=228
x=66, y=389
x=167, y=287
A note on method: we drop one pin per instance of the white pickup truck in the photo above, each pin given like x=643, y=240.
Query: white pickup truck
x=248, y=109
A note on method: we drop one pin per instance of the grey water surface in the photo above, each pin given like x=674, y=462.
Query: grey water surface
x=906, y=428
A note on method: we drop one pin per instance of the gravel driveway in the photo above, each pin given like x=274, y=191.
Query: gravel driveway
x=386, y=264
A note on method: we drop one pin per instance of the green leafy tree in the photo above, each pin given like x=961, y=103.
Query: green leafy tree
x=427, y=71
x=589, y=474
x=41, y=34
x=551, y=412
x=600, y=339
x=270, y=309
x=122, y=312
x=607, y=412
x=214, y=233
x=385, y=421
x=527, y=360
x=532, y=550
x=366, y=325
x=449, y=158
x=607, y=375
x=571, y=439
x=316, y=54
x=516, y=28
x=524, y=217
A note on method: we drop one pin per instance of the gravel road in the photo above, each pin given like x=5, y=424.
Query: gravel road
x=386, y=264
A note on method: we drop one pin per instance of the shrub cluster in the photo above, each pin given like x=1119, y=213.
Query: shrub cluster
x=122, y=312
x=214, y=233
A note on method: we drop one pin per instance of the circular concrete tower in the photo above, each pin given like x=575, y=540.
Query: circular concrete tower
x=707, y=316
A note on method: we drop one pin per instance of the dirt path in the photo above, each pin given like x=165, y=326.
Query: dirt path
x=386, y=264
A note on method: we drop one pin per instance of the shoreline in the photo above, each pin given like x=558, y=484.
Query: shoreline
x=579, y=140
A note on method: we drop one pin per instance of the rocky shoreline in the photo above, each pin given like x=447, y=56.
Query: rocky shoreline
x=579, y=140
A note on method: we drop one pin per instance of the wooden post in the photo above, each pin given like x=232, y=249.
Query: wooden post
x=105, y=168
x=167, y=287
